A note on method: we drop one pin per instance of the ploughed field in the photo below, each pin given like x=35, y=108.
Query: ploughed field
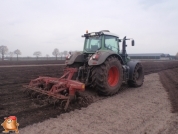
x=31, y=110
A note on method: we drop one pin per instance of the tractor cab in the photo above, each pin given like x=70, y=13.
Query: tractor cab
x=103, y=40
x=106, y=42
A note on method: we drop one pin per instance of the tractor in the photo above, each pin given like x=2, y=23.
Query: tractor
x=101, y=65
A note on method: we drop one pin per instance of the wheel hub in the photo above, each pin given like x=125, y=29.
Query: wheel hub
x=113, y=76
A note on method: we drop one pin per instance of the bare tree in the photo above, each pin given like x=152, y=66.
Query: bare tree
x=47, y=56
x=11, y=55
x=17, y=52
x=3, y=51
x=56, y=52
x=61, y=53
x=37, y=54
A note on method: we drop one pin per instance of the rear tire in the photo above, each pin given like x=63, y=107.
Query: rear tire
x=138, y=76
x=107, y=77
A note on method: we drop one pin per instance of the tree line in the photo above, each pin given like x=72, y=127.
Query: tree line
x=4, y=51
x=55, y=53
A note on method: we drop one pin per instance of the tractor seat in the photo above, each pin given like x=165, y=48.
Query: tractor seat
x=94, y=47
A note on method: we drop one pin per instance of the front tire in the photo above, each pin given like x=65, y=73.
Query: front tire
x=107, y=77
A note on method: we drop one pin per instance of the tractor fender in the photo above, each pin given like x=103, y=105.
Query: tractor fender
x=75, y=57
x=103, y=55
x=132, y=65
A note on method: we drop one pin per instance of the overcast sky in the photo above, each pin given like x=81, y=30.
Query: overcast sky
x=43, y=25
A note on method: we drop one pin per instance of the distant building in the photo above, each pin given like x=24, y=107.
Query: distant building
x=156, y=56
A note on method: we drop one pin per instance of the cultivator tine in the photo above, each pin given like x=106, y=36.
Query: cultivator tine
x=39, y=97
x=28, y=92
x=34, y=94
x=62, y=104
x=49, y=100
x=55, y=101
x=67, y=104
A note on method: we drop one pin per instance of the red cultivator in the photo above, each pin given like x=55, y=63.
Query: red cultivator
x=59, y=89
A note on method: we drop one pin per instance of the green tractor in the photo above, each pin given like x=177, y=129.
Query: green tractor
x=103, y=65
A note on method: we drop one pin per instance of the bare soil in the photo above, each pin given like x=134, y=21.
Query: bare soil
x=29, y=110
x=134, y=110
x=157, y=66
x=15, y=102
x=169, y=79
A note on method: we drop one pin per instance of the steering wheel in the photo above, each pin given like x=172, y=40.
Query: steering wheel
x=109, y=47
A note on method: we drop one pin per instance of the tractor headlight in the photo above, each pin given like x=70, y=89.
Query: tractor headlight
x=95, y=57
x=68, y=57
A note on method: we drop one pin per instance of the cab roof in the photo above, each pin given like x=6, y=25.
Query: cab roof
x=108, y=33
x=105, y=32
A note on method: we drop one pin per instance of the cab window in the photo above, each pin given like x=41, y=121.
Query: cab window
x=93, y=43
x=111, y=43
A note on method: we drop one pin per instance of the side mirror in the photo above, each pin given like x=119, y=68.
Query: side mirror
x=118, y=40
x=133, y=42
